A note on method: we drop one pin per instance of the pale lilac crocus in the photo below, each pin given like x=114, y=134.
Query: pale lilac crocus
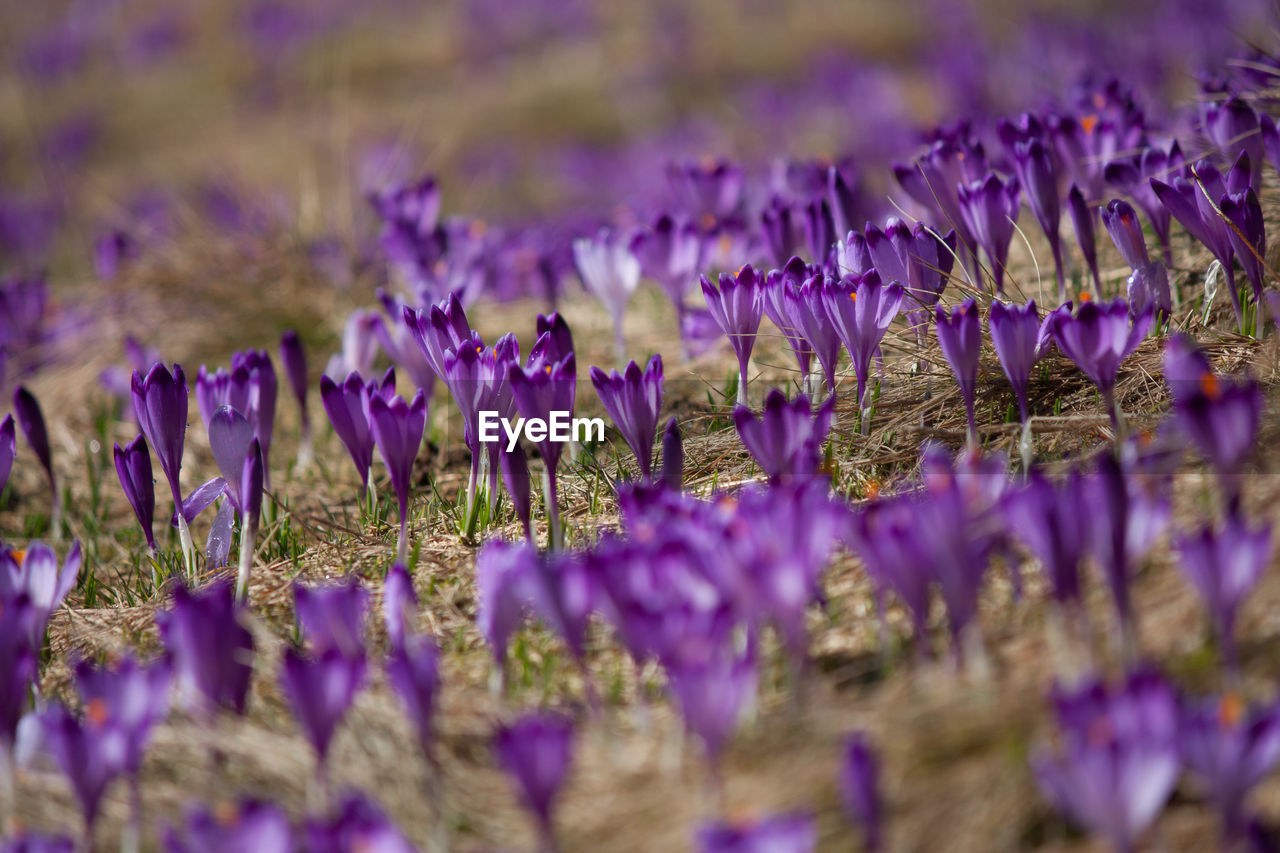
x=611, y=273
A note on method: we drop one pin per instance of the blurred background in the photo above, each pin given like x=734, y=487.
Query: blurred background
x=142, y=127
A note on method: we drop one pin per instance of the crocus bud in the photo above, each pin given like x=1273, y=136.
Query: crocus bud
x=31, y=419
x=1121, y=222
x=672, y=456
x=8, y=449
x=133, y=465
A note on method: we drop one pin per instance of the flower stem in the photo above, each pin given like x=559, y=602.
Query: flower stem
x=248, y=533
x=188, y=548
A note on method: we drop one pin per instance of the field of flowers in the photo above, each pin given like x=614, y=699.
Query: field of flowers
x=937, y=348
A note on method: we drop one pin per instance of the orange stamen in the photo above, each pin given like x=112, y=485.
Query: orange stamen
x=1089, y=123
x=1209, y=386
x=1230, y=710
x=1086, y=296
x=96, y=712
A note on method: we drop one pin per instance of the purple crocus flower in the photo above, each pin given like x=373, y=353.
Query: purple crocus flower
x=1019, y=343
x=133, y=465
x=31, y=419
x=160, y=404
x=357, y=825
x=1119, y=757
x=1121, y=222
x=36, y=574
x=1232, y=125
x=1229, y=748
x=1126, y=522
x=714, y=688
x=359, y=345
x=254, y=825
x=1224, y=566
x=669, y=252
x=91, y=753
x=8, y=449
x=990, y=209
x=397, y=429
x=633, y=400
x=413, y=669
x=538, y=391
x=809, y=317
x=777, y=285
x=1084, y=221
x=1221, y=417
x=610, y=273
x=440, y=328
x=1047, y=518
x=515, y=477
x=399, y=604
x=860, y=309
x=737, y=305
x=502, y=572
x=781, y=229
x=707, y=187
x=211, y=651
x=1247, y=233
x=130, y=696
x=347, y=407
x=294, y=358
x=1036, y=173
x=786, y=441
x=319, y=691
x=477, y=380
x=912, y=257
x=19, y=665
x=672, y=475
x=779, y=834
x=399, y=342
x=250, y=388
x=331, y=616
x=960, y=337
x=860, y=789
x=1191, y=200
x=1148, y=292
x=1098, y=338
x=558, y=341
x=536, y=752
